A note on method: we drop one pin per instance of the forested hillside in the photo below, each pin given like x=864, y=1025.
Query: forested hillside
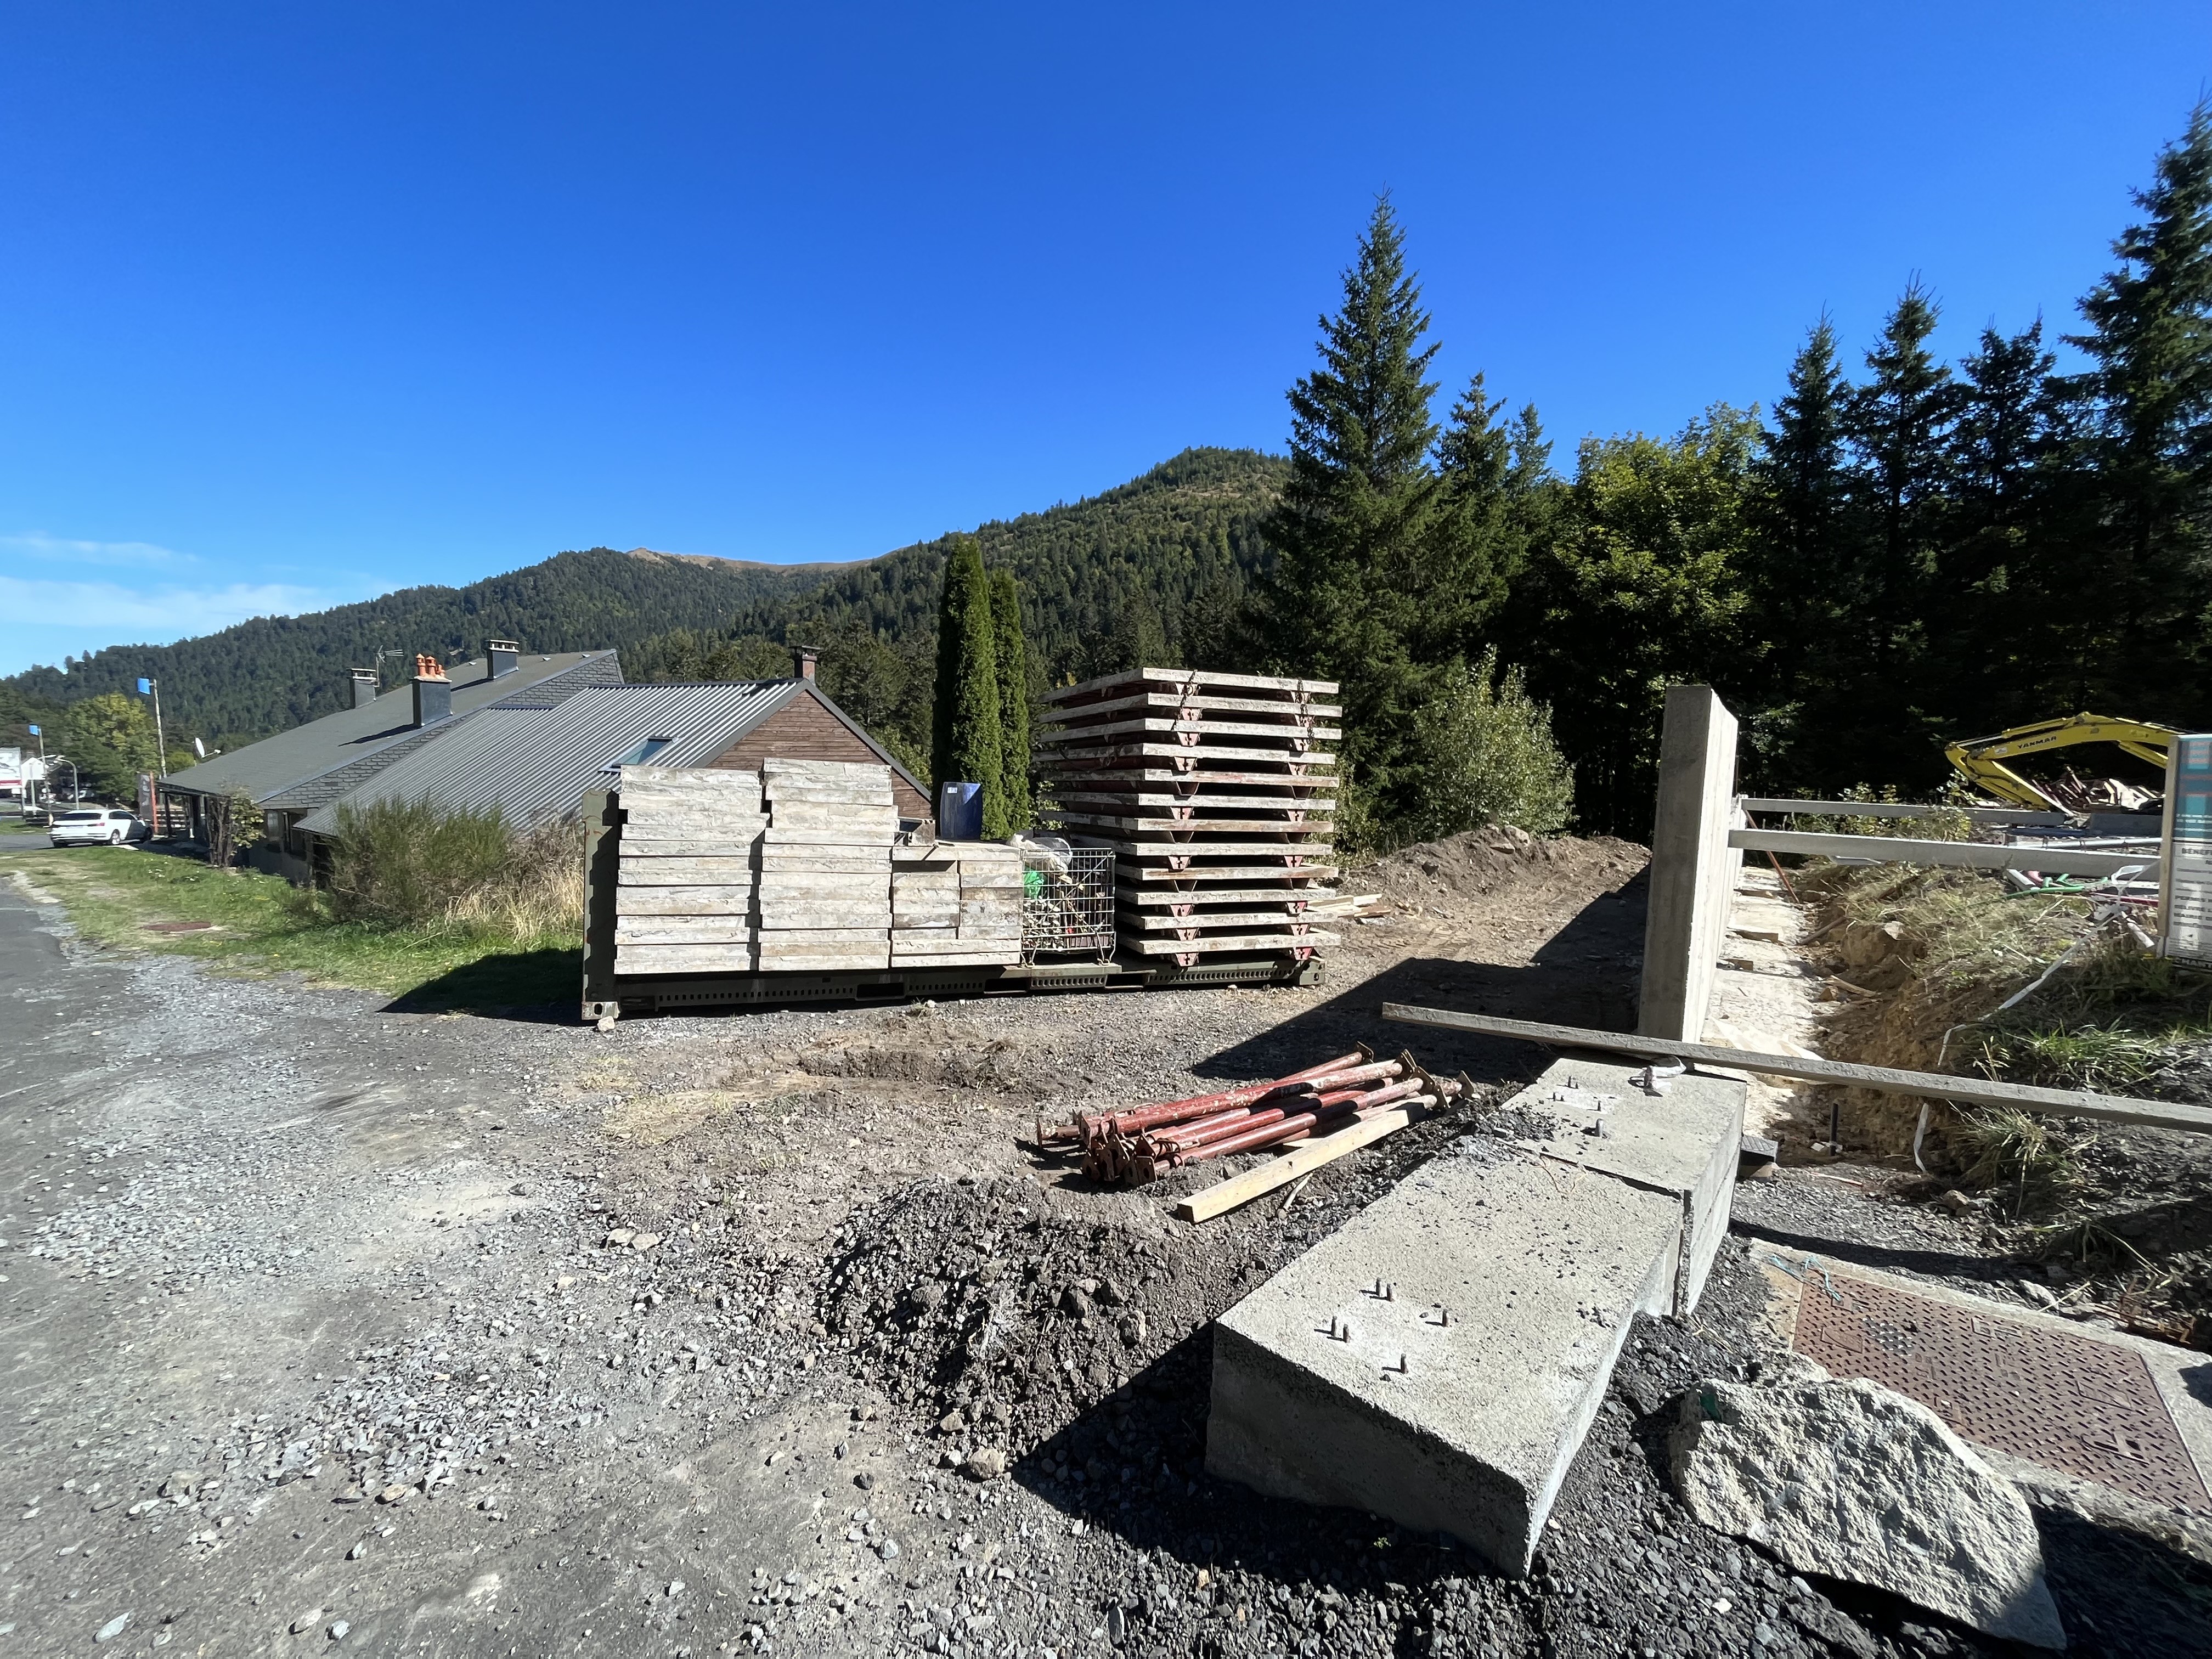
x=272, y=672
x=1157, y=570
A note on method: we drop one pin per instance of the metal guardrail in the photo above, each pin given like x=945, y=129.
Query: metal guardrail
x=1927, y=1086
x=1951, y=854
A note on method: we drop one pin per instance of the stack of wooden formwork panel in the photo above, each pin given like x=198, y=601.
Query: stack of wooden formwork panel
x=825, y=866
x=956, y=904
x=1215, y=792
x=685, y=886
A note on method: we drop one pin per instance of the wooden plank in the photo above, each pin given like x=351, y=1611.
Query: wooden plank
x=686, y=872
x=1181, y=677
x=1925, y=1086
x=792, y=766
x=683, y=930
x=1156, y=898
x=777, y=834
x=1127, y=872
x=685, y=959
x=1000, y=959
x=865, y=961
x=1142, y=921
x=1253, y=848
x=703, y=847
x=854, y=934
x=1264, y=841
x=813, y=915
x=937, y=879
x=1304, y=1157
x=826, y=884
x=1267, y=943
x=744, y=796
x=1079, y=800
x=1309, y=729
x=829, y=857
x=1295, y=776
x=1209, y=711
x=1209, y=751
x=1949, y=855
x=789, y=791
x=730, y=901
x=935, y=918
x=866, y=823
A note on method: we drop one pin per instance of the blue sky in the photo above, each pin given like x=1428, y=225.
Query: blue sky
x=300, y=304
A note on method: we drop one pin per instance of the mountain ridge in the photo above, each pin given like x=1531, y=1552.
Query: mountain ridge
x=1151, y=546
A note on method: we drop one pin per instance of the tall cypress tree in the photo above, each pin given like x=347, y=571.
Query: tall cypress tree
x=967, y=742
x=1011, y=651
x=1354, y=522
x=2148, y=445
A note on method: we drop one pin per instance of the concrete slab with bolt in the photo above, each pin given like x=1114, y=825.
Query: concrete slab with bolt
x=1439, y=1360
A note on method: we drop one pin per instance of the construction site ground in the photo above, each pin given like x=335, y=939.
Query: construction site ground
x=331, y=1322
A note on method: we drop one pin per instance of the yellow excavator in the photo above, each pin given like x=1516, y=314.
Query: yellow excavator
x=1981, y=761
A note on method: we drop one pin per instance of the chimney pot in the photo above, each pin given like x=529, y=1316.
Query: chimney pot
x=802, y=659
x=364, y=687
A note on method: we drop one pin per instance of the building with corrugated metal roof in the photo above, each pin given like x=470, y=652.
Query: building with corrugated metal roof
x=532, y=736
x=537, y=768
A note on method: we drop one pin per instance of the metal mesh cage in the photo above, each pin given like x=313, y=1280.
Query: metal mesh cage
x=1068, y=903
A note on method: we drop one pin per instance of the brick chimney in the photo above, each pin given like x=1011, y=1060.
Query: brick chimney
x=433, y=692
x=802, y=659
x=364, y=687
x=501, y=657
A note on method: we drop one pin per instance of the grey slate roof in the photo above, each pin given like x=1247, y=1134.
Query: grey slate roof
x=359, y=742
x=538, y=767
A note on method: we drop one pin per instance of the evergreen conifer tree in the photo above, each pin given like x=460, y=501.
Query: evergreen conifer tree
x=1350, y=581
x=967, y=740
x=1011, y=655
x=2148, y=447
x=1899, y=423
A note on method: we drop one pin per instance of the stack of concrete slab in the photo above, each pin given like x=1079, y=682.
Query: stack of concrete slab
x=1215, y=792
x=956, y=904
x=1439, y=1360
x=685, y=893
x=825, y=866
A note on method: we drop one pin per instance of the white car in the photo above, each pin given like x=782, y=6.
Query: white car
x=87, y=826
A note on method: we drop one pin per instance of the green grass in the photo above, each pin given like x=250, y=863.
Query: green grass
x=264, y=926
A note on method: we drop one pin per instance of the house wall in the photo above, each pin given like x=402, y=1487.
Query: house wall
x=804, y=729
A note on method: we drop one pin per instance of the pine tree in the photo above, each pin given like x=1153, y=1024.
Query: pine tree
x=1354, y=522
x=1898, y=423
x=1481, y=522
x=1997, y=620
x=2148, y=445
x=967, y=741
x=1012, y=654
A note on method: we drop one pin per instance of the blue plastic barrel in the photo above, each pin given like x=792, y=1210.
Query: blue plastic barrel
x=960, y=811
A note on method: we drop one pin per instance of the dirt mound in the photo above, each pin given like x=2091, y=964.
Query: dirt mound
x=1481, y=863
x=1021, y=1307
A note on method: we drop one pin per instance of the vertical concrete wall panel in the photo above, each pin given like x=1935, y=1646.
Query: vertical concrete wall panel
x=1692, y=869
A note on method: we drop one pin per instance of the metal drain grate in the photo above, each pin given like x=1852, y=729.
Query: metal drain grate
x=2088, y=1408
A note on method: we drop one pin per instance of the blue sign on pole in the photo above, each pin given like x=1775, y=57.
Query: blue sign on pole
x=144, y=685
x=33, y=730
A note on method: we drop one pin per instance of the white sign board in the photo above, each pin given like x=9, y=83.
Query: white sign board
x=2185, y=886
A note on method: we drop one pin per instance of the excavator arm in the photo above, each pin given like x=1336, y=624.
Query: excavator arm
x=1981, y=761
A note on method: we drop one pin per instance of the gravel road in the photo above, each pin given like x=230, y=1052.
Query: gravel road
x=335, y=1327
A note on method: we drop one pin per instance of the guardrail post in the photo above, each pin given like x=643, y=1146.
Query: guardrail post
x=1692, y=869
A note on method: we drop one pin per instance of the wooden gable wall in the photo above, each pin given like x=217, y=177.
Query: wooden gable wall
x=803, y=729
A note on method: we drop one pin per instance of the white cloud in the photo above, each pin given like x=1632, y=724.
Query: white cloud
x=131, y=556
x=114, y=615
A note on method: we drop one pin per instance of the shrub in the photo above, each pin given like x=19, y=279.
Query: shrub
x=1487, y=756
x=405, y=863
